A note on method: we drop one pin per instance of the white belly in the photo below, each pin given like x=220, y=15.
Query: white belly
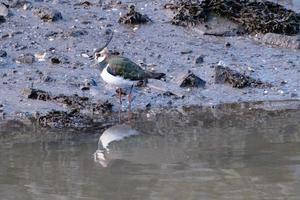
x=115, y=80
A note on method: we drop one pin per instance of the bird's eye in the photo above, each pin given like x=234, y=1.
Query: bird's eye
x=97, y=55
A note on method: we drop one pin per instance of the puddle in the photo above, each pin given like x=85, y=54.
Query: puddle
x=199, y=154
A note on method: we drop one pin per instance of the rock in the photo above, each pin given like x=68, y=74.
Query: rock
x=3, y=10
x=36, y=94
x=236, y=79
x=191, y=80
x=134, y=17
x=199, y=60
x=3, y=53
x=48, y=14
x=25, y=59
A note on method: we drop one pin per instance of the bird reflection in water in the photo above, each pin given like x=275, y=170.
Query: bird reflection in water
x=115, y=133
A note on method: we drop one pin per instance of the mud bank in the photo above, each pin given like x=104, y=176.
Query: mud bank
x=47, y=45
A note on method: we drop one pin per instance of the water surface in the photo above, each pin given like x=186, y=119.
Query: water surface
x=199, y=154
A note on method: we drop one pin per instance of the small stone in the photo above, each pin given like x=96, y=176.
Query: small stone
x=78, y=33
x=293, y=95
x=3, y=10
x=148, y=106
x=199, y=60
x=40, y=56
x=280, y=92
x=227, y=44
x=3, y=53
x=2, y=20
x=84, y=87
x=47, y=79
x=187, y=51
x=191, y=80
x=55, y=60
x=25, y=59
x=283, y=82
x=48, y=14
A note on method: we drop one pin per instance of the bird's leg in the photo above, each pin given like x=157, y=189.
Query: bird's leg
x=130, y=98
x=119, y=92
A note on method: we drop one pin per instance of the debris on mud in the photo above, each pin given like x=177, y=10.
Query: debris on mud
x=75, y=104
x=134, y=17
x=102, y=107
x=254, y=16
x=84, y=4
x=236, y=79
x=284, y=41
x=60, y=119
x=188, y=12
x=191, y=80
x=36, y=94
x=48, y=14
x=73, y=101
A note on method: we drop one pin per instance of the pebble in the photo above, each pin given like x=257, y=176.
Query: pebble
x=25, y=59
x=3, y=10
x=227, y=44
x=3, y=53
x=199, y=60
x=48, y=14
x=55, y=60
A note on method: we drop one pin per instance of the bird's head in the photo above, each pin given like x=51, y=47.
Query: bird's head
x=101, y=55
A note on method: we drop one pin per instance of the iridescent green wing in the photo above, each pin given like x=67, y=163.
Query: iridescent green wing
x=120, y=66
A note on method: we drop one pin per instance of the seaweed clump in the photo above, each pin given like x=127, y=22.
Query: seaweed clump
x=236, y=79
x=134, y=17
x=254, y=16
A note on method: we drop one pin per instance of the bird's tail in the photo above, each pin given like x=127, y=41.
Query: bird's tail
x=154, y=75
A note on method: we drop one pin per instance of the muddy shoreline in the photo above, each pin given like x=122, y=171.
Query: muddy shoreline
x=47, y=75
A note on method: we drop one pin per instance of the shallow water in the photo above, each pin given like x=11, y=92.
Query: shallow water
x=195, y=154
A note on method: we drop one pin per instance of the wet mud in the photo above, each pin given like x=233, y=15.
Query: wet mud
x=46, y=70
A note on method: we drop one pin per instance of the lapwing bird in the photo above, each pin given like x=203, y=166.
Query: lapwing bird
x=122, y=72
